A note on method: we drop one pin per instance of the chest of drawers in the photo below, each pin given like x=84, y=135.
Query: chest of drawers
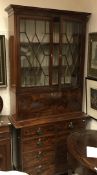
x=43, y=147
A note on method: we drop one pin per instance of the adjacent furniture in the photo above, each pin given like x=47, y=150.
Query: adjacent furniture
x=82, y=149
x=46, y=51
x=5, y=144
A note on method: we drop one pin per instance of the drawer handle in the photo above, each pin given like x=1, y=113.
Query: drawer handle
x=71, y=125
x=39, y=131
x=84, y=120
x=39, y=142
x=39, y=155
x=39, y=169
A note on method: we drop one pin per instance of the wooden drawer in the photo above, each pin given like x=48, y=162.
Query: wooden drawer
x=52, y=129
x=76, y=124
x=39, y=156
x=41, y=169
x=38, y=130
x=36, y=143
x=4, y=129
x=3, y=136
x=4, y=132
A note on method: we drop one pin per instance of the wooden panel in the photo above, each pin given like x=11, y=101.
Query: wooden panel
x=32, y=105
x=38, y=156
x=52, y=129
x=43, y=169
x=38, y=130
x=36, y=143
x=5, y=155
x=4, y=128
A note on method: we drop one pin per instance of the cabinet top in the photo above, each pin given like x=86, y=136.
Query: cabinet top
x=46, y=120
x=19, y=9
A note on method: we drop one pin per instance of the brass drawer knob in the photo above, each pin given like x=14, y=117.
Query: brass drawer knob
x=39, y=155
x=39, y=131
x=84, y=120
x=39, y=142
x=39, y=169
x=71, y=125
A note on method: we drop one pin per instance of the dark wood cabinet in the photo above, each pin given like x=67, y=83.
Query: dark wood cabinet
x=42, y=148
x=5, y=145
x=46, y=51
x=46, y=61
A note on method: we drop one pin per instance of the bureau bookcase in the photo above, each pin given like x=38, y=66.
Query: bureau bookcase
x=46, y=52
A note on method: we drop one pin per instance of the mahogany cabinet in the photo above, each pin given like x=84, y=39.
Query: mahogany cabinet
x=42, y=148
x=5, y=145
x=46, y=52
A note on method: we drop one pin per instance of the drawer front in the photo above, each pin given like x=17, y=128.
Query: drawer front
x=4, y=129
x=76, y=124
x=39, y=130
x=52, y=129
x=36, y=157
x=36, y=143
x=4, y=136
x=41, y=169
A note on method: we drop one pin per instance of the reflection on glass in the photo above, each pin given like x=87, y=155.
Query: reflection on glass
x=55, y=61
x=39, y=49
x=70, y=52
x=55, y=65
x=35, y=52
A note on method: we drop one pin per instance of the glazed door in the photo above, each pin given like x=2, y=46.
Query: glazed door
x=71, y=52
x=50, y=52
x=35, y=52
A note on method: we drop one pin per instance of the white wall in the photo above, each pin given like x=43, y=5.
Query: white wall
x=83, y=5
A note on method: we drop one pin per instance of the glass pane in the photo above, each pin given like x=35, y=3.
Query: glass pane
x=35, y=52
x=71, y=40
x=55, y=61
